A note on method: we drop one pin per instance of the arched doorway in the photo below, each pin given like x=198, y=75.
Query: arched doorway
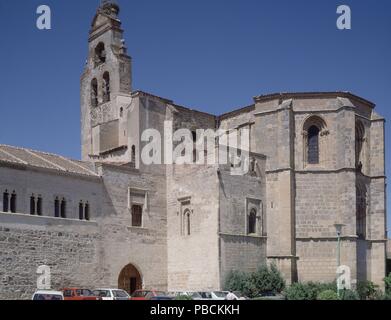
x=129, y=279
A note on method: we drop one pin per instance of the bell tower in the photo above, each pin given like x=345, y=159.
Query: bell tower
x=106, y=86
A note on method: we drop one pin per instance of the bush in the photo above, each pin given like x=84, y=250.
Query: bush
x=236, y=281
x=278, y=282
x=264, y=281
x=349, y=295
x=308, y=290
x=267, y=281
x=301, y=291
x=367, y=290
x=328, y=295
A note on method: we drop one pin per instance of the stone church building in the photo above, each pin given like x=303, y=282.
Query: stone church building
x=110, y=220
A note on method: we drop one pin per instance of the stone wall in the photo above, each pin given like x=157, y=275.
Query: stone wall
x=193, y=262
x=70, y=248
x=239, y=250
x=144, y=247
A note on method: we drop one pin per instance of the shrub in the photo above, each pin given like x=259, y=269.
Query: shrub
x=267, y=281
x=349, y=295
x=264, y=281
x=236, y=281
x=301, y=291
x=277, y=280
x=308, y=290
x=327, y=286
x=367, y=290
x=328, y=295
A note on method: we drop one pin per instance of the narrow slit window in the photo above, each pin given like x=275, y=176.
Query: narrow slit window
x=81, y=211
x=63, y=209
x=13, y=202
x=32, y=205
x=87, y=212
x=39, y=206
x=57, y=208
x=5, y=201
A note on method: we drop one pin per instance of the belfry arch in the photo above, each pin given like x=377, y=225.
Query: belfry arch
x=130, y=279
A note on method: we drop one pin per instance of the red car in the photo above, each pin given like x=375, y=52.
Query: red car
x=79, y=294
x=146, y=294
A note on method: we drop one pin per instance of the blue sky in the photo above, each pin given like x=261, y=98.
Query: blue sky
x=213, y=55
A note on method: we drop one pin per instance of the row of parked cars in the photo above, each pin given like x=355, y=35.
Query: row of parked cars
x=118, y=294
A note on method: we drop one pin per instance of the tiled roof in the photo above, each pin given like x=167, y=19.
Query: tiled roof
x=22, y=156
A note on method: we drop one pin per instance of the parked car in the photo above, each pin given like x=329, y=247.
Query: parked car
x=111, y=294
x=213, y=295
x=161, y=298
x=48, y=295
x=192, y=294
x=146, y=294
x=238, y=295
x=79, y=294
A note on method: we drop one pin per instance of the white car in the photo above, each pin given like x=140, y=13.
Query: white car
x=111, y=294
x=213, y=295
x=44, y=295
x=237, y=295
x=194, y=295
